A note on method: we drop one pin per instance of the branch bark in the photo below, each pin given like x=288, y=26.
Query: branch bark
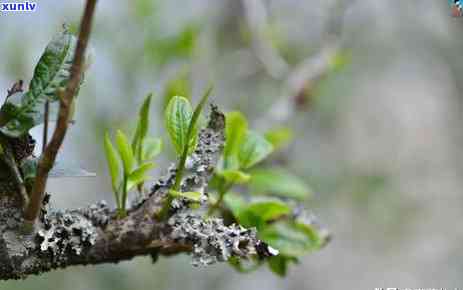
x=48, y=156
x=95, y=235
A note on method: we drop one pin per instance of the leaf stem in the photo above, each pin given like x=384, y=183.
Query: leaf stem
x=124, y=196
x=186, y=149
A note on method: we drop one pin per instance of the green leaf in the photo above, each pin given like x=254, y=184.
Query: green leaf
x=51, y=73
x=253, y=150
x=279, y=137
x=151, y=148
x=113, y=165
x=139, y=175
x=235, y=203
x=279, y=182
x=234, y=176
x=244, y=265
x=193, y=128
x=125, y=152
x=279, y=264
x=142, y=128
x=259, y=213
x=235, y=131
x=177, y=117
x=290, y=238
x=191, y=135
x=190, y=195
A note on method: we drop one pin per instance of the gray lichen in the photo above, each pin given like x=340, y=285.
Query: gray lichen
x=94, y=235
x=66, y=232
x=98, y=213
x=212, y=241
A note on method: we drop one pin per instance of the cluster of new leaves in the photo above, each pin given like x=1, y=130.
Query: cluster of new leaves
x=265, y=198
x=242, y=191
x=22, y=111
x=182, y=125
x=130, y=163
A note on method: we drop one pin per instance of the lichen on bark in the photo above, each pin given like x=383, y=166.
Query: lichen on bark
x=95, y=235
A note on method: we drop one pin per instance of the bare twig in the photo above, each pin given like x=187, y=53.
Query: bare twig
x=48, y=157
x=8, y=158
x=256, y=17
x=309, y=72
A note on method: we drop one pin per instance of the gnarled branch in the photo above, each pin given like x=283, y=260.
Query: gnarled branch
x=95, y=235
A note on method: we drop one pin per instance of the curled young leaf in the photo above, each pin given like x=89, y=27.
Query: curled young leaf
x=125, y=151
x=142, y=129
x=113, y=165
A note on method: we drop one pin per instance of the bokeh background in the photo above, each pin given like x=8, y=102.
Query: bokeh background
x=378, y=133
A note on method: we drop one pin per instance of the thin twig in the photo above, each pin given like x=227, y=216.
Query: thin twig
x=256, y=16
x=47, y=159
x=309, y=72
x=8, y=158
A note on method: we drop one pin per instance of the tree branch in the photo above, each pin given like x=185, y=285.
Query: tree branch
x=95, y=235
x=48, y=156
x=310, y=71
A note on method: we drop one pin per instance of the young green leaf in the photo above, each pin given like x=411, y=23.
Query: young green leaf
x=151, y=148
x=142, y=128
x=190, y=195
x=114, y=166
x=125, y=152
x=244, y=265
x=177, y=117
x=234, y=176
x=235, y=131
x=257, y=214
x=279, y=264
x=191, y=137
x=279, y=182
x=139, y=175
x=253, y=150
x=290, y=238
x=52, y=72
x=279, y=137
x=235, y=203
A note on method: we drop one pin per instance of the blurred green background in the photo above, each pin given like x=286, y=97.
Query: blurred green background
x=378, y=137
